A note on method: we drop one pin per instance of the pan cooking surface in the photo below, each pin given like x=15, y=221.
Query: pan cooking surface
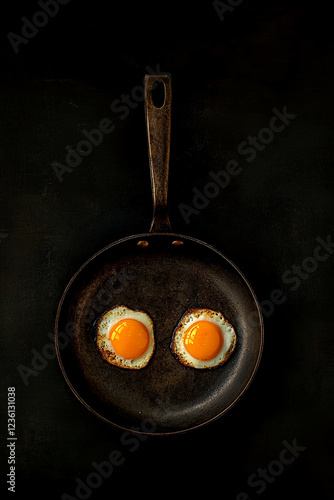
x=163, y=280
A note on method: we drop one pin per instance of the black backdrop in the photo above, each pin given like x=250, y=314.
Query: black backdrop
x=232, y=64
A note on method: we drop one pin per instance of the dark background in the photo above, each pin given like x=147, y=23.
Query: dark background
x=227, y=77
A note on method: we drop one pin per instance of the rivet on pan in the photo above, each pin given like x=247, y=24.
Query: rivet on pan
x=177, y=243
x=142, y=244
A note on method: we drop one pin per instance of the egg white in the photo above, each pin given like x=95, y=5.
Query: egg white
x=105, y=323
x=193, y=316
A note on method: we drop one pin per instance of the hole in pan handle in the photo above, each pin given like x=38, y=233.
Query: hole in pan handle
x=158, y=123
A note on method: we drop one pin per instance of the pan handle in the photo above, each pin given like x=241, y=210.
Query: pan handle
x=158, y=122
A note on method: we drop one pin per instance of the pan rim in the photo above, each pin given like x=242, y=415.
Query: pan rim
x=179, y=237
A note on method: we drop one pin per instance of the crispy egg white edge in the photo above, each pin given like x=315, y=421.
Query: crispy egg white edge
x=110, y=318
x=193, y=316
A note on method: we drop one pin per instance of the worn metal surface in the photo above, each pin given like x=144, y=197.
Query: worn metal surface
x=163, y=280
x=163, y=274
x=158, y=122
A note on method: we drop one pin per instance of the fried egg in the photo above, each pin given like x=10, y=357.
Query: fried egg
x=203, y=339
x=125, y=337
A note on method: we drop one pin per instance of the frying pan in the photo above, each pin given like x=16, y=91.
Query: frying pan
x=163, y=274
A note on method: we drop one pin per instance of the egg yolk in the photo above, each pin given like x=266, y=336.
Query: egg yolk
x=129, y=338
x=203, y=340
